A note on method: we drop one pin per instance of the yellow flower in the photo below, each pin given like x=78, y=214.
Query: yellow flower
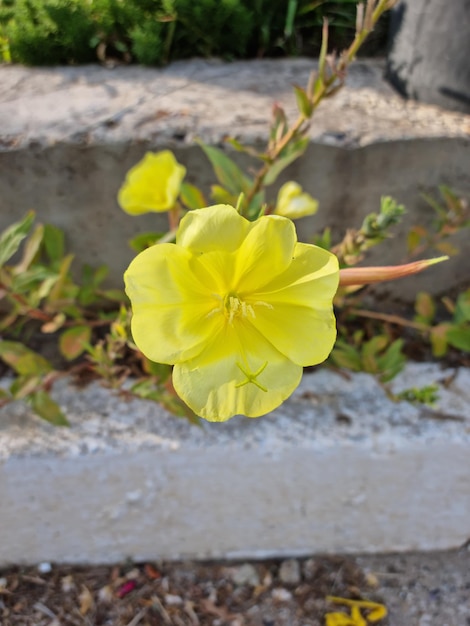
x=293, y=203
x=238, y=307
x=152, y=185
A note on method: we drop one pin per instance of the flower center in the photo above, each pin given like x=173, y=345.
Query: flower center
x=234, y=307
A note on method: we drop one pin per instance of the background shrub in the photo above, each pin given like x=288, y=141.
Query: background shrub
x=152, y=32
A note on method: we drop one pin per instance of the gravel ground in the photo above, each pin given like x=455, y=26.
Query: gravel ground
x=430, y=589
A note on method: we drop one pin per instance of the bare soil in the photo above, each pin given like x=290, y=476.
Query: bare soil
x=418, y=590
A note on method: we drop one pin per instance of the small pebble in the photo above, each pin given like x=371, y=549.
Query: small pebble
x=281, y=595
x=105, y=594
x=44, y=568
x=67, y=584
x=245, y=574
x=372, y=580
x=309, y=569
x=289, y=572
x=133, y=574
x=173, y=600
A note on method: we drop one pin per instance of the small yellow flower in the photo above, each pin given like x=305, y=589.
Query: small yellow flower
x=238, y=307
x=152, y=185
x=292, y=202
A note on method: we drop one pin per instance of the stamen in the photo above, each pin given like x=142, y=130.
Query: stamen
x=261, y=303
x=232, y=306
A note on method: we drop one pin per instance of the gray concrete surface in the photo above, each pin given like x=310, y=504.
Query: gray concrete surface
x=339, y=468
x=428, y=57
x=68, y=135
x=430, y=589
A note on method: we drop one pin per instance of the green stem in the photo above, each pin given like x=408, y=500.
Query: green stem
x=293, y=132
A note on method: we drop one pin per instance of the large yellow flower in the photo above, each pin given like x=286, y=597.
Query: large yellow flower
x=152, y=185
x=238, y=307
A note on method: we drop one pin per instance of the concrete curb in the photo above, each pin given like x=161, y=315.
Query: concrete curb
x=338, y=468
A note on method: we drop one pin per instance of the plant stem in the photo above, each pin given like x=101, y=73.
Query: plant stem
x=337, y=74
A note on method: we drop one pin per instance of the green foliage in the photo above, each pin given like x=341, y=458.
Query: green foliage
x=379, y=355
x=444, y=331
x=451, y=214
x=428, y=395
x=47, y=32
x=375, y=229
x=38, y=294
x=40, y=32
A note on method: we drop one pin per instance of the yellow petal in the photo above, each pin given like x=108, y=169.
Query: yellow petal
x=294, y=311
x=239, y=372
x=341, y=619
x=306, y=335
x=266, y=251
x=152, y=185
x=215, y=228
x=309, y=263
x=171, y=302
x=293, y=203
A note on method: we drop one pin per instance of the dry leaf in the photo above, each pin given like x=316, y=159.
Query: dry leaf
x=86, y=600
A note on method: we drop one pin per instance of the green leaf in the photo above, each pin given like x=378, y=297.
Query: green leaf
x=11, y=238
x=413, y=239
x=23, y=386
x=459, y=337
x=222, y=196
x=100, y=274
x=344, y=355
x=23, y=360
x=303, y=103
x=145, y=240
x=290, y=18
x=160, y=370
x=462, y=308
x=54, y=243
x=56, y=291
x=46, y=286
x=392, y=362
x=374, y=345
x=228, y=173
x=255, y=206
x=31, y=249
x=115, y=295
x=438, y=338
x=278, y=166
x=445, y=247
x=323, y=240
x=33, y=278
x=192, y=197
x=425, y=308
x=147, y=390
x=429, y=394
x=73, y=340
x=42, y=404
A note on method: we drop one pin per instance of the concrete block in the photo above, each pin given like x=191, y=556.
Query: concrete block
x=338, y=468
x=68, y=136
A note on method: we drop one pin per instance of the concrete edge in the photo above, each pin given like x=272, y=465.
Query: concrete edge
x=337, y=469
